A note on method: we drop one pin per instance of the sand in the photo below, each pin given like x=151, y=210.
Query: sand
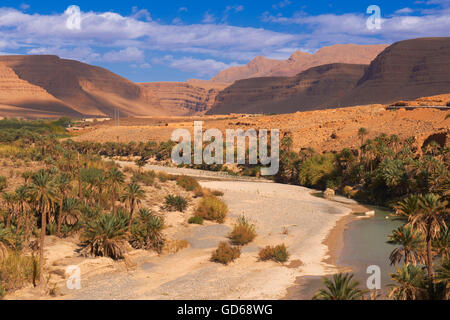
x=189, y=274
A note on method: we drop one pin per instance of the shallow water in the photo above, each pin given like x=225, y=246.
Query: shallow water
x=364, y=245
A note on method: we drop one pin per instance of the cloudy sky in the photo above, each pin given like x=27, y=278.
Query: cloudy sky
x=174, y=40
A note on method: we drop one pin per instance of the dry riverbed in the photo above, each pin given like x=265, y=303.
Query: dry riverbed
x=282, y=214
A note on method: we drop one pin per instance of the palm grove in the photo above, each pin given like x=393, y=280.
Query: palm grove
x=74, y=191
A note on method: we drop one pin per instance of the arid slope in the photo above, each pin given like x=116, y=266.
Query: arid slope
x=301, y=61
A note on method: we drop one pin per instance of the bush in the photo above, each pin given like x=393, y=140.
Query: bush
x=225, y=253
x=195, y=220
x=163, y=177
x=176, y=203
x=278, y=253
x=317, y=170
x=146, y=231
x=243, y=232
x=200, y=192
x=217, y=193
x=146, y=178
x=106, y=236
x=212, y=208
x=188, y=183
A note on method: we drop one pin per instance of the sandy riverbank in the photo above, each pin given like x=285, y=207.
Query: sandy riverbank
x=282, y=214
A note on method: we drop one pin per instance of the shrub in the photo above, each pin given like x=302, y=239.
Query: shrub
x=163, y=177
x=199, y=192
x=187, y=183
x=278, y=253
x=176, y=203
x=217, y=193
x=212, y=208
x=243, y=232
x=225, y=253
x=106, y=236
x=146, y=231
x=146, y=178
x=317, y=170
x=195, y=220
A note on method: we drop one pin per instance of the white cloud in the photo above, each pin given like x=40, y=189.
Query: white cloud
x=201, y=67
x=352, y=28
x=404, y=11
x=125, y=55
x=208, y=18
x=282, y=4
x=84, y=54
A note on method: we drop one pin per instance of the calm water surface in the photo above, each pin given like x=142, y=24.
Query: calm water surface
x=364, y=245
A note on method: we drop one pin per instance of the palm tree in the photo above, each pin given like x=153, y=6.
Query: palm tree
x=443, y=275
x=71, y=211
x=9, y=199
x=429, y=219
x=116, y=179
x=43, y=192
x=63, y=185
x=362, y=132
x=411, y=242
x=134, y=194
x=342, y=287
x=106, y=236
x=441, y=245
x=411, y=284
x=407, y=207
x=22, y=197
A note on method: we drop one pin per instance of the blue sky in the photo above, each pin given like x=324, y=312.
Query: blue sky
x=174, y=40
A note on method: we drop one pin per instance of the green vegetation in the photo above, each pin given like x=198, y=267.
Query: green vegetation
x=106, y=236
x=277, y=253
x=243, y=232
x=341, y=287
x=64, y=188
x=188, y=183
x=195, y=220
x=225, y=253
x=146, y=231
x=212, y=208
x=176, y=203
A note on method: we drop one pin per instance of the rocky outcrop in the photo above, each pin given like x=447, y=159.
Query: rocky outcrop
x=301, y=61
x=84, y=89
x=317, y=88
x=18, y=96
x=404, y=71
x=189, y=98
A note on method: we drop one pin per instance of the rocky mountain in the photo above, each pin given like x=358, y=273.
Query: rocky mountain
x=404, y=71
x=50, y=86
x=301, y=61
x=316, y=88
x=407, y=70
x=188, y=98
